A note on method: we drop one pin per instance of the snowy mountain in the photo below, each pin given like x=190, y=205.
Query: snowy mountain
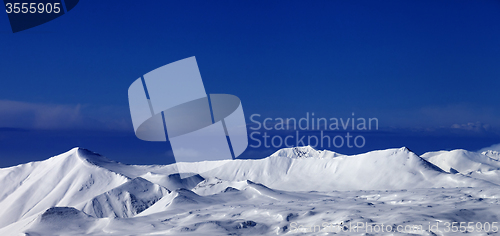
x=485, y=165
x=61, y=220
x=325, y=171
x=304, y=152
x=126, y=200
x=64, y=180
x=462, y=161
x=81, y=192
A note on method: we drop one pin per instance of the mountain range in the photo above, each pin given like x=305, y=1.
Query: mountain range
x=82, y=192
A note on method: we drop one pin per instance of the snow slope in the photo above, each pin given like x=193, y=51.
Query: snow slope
x=462, y=161
x=485, y=165
x=386, y=169
x=308, y=214
x=81, y=192
x=125, y=200
x=63, y=180
x=62, y=220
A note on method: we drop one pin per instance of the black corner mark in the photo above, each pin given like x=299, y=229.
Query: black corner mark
x=24, y=14
x=70, y=4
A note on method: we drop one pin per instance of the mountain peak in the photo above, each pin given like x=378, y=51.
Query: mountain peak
x=491, y=152
x=58, y=213
x=92, y=157
x=303, y=152
x=495, y=155
x=83, y=154
x=404, y=149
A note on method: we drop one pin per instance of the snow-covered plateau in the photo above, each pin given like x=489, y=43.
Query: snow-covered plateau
x=295, y=191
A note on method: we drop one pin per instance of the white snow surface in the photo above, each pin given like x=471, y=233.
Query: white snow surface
x=485, y=165
x=83, y=193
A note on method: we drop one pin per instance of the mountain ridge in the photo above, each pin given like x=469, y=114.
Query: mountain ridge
x=100, y=187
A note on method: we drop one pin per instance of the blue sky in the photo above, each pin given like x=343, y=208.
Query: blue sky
x=428, y=70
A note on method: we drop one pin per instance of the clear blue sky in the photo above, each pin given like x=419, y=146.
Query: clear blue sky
x=420, y=67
